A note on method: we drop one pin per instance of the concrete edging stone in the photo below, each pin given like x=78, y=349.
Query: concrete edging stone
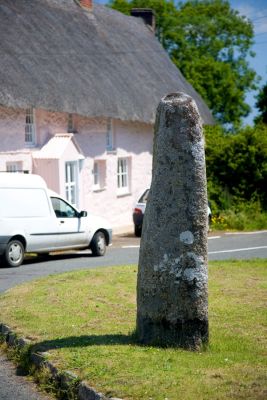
x=65, y=380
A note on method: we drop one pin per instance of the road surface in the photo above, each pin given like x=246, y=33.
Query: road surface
x=125, y=250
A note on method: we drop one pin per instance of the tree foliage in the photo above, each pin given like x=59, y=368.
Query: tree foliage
x=237, y=166
x=209, y=42
x=262, y=105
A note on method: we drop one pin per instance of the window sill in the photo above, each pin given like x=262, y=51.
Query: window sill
x=99, y=189
x=123, y=194
x=30, y=145
x=111, y=151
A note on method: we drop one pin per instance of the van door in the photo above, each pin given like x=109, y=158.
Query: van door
x=72, y=232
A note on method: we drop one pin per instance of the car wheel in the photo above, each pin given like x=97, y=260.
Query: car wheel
x=14, y=253
x=98, y=244
x=137, y=230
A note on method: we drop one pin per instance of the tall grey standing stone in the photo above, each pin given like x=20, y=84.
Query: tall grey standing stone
x=172, y=295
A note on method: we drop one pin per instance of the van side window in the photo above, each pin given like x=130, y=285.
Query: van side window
x=63, y=209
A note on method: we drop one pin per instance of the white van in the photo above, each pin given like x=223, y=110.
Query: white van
x=35, y=219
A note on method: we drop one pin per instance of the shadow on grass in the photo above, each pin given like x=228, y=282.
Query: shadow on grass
x=84, y=341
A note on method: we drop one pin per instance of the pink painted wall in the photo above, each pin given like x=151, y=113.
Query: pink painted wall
x=48, y=124
x=131, y=139
x=12, y=146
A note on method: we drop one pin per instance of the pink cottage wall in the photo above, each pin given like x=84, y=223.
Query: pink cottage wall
x=131, y=140
x=12, y=145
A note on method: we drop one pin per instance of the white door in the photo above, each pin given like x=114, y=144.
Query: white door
x=71, y=182
x=72, y=231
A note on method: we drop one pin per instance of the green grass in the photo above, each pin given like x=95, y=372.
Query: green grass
x=85, y=320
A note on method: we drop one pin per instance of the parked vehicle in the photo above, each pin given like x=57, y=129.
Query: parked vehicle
x=36, y=219
x=139, y=211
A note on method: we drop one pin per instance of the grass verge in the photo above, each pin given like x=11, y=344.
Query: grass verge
x=85, y=321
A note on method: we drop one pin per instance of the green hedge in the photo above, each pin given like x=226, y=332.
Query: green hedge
x=237, y=175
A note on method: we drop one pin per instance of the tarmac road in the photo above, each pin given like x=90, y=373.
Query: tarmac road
x=124, y=251
x=16, y=387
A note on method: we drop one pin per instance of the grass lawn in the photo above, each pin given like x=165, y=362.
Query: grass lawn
x=85, y=321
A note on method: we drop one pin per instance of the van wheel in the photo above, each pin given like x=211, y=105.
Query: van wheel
x=98, y=244
x=14, y=253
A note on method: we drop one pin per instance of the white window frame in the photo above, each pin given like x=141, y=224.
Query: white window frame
x=30, y=131
x=110, y=136
x=71, y=182
x=99, y=175
x=123, y=176
x=15, y=166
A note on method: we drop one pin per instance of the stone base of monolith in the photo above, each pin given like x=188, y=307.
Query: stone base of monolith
x=172, y=296
x=187, y=334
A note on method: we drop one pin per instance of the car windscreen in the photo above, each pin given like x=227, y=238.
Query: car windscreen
x=143, y=198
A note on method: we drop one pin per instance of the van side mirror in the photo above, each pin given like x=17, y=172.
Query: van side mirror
x=82, y=214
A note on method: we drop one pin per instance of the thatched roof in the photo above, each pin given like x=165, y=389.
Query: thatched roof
x=57, y=56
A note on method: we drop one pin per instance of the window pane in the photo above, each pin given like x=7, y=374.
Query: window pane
x=96, y=173
x=109, y=136
x=71, y=173
x=70, y=182
x=29, y=127
x=62, y=209
x=122, y=173
x=72, y=201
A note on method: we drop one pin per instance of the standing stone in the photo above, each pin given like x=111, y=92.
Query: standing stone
x=172, y=295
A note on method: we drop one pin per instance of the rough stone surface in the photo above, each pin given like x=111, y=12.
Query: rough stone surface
x=11, y=339
x=37, y=359
x=172, y=299
x=21, y=342
x=4, y=329
x=85, y=392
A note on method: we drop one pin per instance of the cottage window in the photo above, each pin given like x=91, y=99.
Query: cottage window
x=99, y=173
x=30, y=127
x=123, y=176
x=13, y=166
x=110, y=136
x=96, y=174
